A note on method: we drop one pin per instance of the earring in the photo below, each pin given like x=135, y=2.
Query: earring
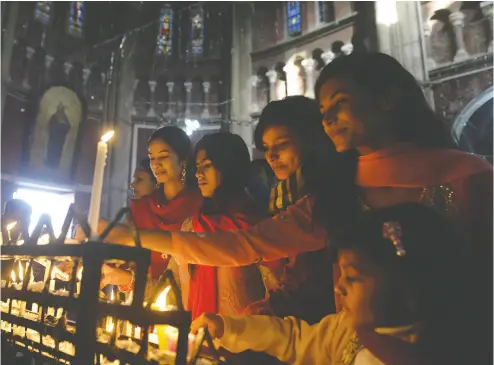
x=183, y=177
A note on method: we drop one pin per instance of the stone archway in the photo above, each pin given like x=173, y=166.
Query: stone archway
x=473, y=127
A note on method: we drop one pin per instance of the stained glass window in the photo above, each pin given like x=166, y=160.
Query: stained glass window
x=197, y=31
x=76, y=18
x=326, y=11
x=165, y=35
x=43, y=11
x=294, y=18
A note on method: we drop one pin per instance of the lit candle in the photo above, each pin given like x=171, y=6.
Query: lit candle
x=112, y=296
x=79, y=278
x=22, y=308
x=52, y=282
x=99, y=170
x=161, y=333
x=137, y=333
x=34, y=308
x=59, y=312
x=109, y=325
x=128, y=329
x=9, y=227
x=21, y=273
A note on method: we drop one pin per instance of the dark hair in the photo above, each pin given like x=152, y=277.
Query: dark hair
x=230, y=156
x=261, y=166
x=436, y=263
x=380, y=74
x=145, y=165
x=178, y=140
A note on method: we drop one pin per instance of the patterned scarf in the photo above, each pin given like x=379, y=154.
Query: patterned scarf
x=286, y=192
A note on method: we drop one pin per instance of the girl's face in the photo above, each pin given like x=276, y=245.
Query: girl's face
x=165, y=163
x=350, y=117
x=282, y=151
x=208, y=177
x=142, y=184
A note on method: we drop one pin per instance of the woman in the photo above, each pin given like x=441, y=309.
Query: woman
x=222, y=179
x=144, y=182
x=290, y=133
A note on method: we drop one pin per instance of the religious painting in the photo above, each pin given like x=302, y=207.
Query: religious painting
x=76, y=18
x=44, y=11
x=165, y=35
x=59, y=115
x=197, y=30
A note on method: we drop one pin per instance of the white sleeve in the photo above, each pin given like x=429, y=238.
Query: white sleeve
x=290, y=340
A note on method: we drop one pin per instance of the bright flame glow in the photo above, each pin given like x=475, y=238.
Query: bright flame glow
x=11, y=225
x=79, y=274
x=191, y=125
x=53, y=274
x=109, y=324
x=107, y=136
x=386, y=13
x=44, y=239
x=12, y=276
x=161, y=300
x=21, y=272
x=112, y=296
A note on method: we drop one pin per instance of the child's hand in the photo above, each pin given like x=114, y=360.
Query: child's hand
x=213, y=322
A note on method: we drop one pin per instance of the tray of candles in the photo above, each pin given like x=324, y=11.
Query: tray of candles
x=61, y=315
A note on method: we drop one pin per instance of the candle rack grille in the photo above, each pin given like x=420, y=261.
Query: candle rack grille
x=87, y=307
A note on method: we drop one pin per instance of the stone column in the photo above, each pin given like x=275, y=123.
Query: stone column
x=309, y=65
x=457, y=19
x=169, y=110
x=205, y=111
x=133, y=110
x=152, y=86
x=254, y=108
x=67, y=67
x=327, y=57
x=48, y=61
x=347, y=49
x=428, y=48
x=486, y=7
x=272, y=77
x=293, y=86
x=29, y=55
x=188, y=99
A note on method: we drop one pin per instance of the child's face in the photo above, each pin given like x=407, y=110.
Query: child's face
x=359, y=288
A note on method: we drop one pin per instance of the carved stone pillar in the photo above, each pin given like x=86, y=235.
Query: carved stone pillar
x=486, y=7
x=347, y=49
x=327, y=57
x=272, y=77
x=169, y=110
x=188, y=99
x=152, y=86
x=48, y=61
x=253, y=81
x=205, y=111
x=293, y=81
x=85, y=76
x=457, y=19
x=67, y=67
x=136, y=82
x=29, y=55
x=309, y=65
x=428, y=47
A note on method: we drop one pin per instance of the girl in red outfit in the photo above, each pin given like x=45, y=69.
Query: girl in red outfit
x=222, y=178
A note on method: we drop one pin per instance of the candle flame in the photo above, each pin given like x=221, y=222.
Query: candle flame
x=161, y=300
x=107, y=136
x=112, y=296
x=11, y=225
x=79, y=274
x=21, y=272
x=109, y=324
x=12, y=276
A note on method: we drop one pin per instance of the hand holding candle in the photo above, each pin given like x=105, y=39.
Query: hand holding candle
x=99, y=170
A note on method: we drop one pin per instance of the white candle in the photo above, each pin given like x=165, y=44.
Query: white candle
x=109, y=325
x=22, y=309
x=34, y=308
x=79, y=278
x=137, y=332
x=59, y=312
x=50, y=311
x=99, y=170
x=51, y=288
x=128, y=329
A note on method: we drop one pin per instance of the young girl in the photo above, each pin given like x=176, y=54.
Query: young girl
x=143, y=182
x=222, y=162
x=399, y=278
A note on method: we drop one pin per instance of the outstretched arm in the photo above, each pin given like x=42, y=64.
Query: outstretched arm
x=290, y=340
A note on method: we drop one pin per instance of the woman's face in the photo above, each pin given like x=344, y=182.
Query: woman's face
x=165, y=163
x=350, y=118
x=208, y=177
x=282, y=151
x=142, y=184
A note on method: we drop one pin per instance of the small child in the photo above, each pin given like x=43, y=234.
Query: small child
x=404, y=275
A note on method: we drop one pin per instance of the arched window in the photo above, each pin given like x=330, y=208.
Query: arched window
x=43, y=11
x=197, y=30
x=76, y=18
x=294, y=19
x=164, y=42
x=325, y=11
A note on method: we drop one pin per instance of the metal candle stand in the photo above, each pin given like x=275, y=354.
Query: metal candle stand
x=87, y=306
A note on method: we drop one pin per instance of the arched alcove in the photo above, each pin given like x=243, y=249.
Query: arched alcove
x=472, y=128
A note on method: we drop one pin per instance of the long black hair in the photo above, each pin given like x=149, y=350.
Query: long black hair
x=145, y=166
x=178, y=140
x=429, y=258
x=230, y=156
